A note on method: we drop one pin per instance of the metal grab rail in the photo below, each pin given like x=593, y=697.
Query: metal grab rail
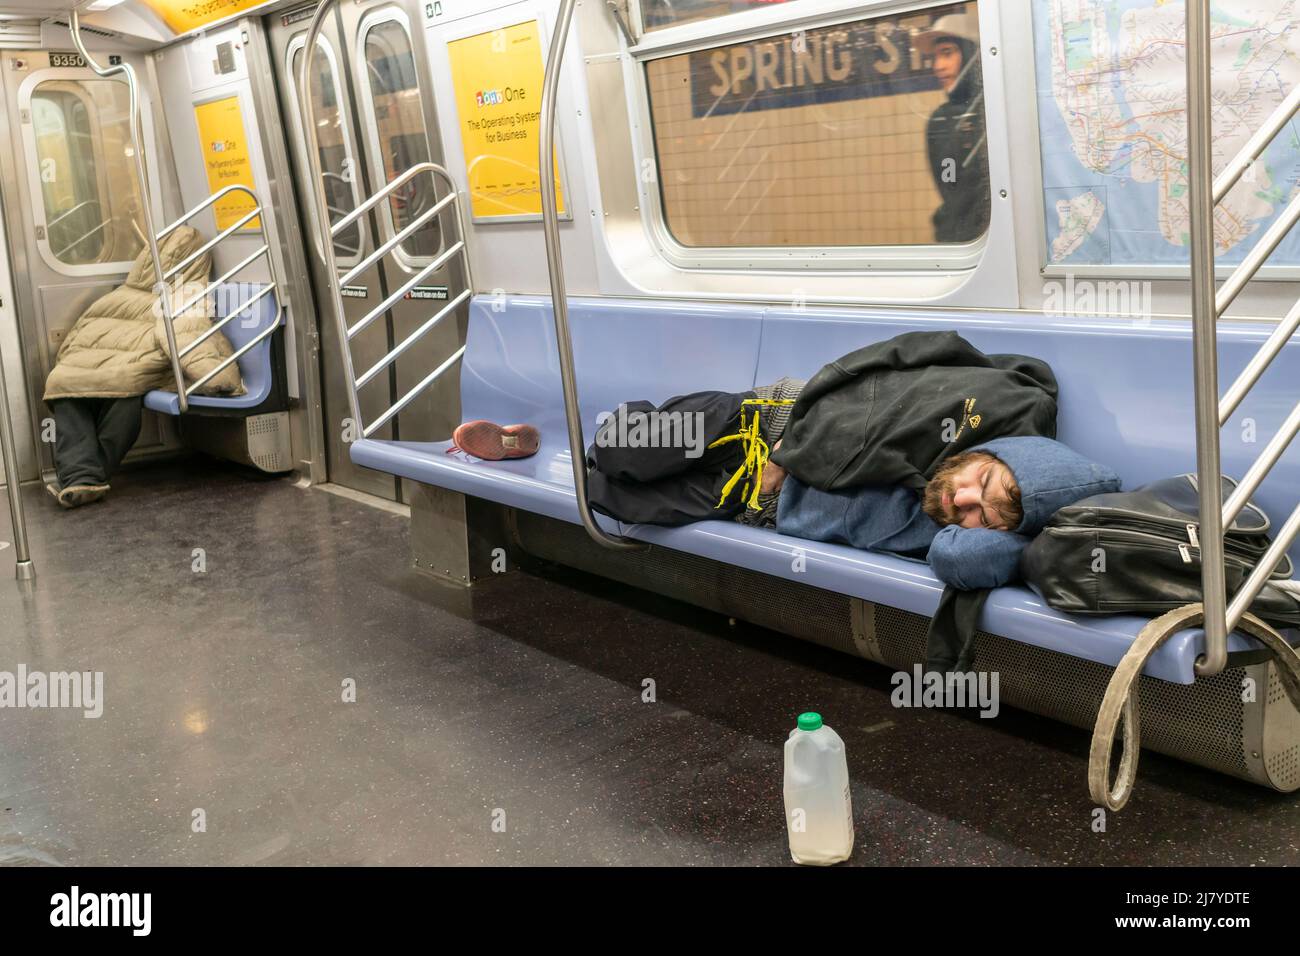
x=410, y=340
x=559, y=295
x=336, y=282
x=1256, y=144
x=230, y=315
x=78, y=241
x=392, y=243
x=1204, y=193
x=405, y=288
x=24, y=570
x=49, y=226
x=169, y=316
x=142, y=182
x=68, y=212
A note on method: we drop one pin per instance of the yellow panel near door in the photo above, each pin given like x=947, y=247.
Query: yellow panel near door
x=497, y=77
x=185, y=15
x=225, y=157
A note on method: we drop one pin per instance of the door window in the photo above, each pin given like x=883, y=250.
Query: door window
x=83, y=161
x=338, y=168
x=397, y=128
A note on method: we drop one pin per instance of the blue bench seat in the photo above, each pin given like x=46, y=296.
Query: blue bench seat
x=1125, y=400
x=255, y=365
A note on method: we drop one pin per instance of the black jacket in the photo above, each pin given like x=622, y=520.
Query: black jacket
x=889, y=413
x=955, y=133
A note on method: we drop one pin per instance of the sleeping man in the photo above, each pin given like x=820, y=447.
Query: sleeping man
x=921, y=446
x=973, y=518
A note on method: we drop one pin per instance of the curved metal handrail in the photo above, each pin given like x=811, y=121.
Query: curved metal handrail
x=161, y=289
x=559, y=296
x=336, y=282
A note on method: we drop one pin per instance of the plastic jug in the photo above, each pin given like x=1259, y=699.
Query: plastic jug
x=818, y=810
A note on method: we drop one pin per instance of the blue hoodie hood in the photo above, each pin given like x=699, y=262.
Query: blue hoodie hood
x=1050, y=476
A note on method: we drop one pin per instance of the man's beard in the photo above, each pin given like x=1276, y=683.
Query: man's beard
x=940, y=485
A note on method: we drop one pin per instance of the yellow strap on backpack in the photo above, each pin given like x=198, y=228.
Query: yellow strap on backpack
x=756, y=452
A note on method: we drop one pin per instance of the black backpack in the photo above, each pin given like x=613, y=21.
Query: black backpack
x=1138, y=552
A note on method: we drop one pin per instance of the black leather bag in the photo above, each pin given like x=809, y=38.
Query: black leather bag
x=1138, y=552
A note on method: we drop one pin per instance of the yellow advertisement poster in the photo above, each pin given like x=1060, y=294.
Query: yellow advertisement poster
x=182, y=16
x=497, y=78
x=225, y=156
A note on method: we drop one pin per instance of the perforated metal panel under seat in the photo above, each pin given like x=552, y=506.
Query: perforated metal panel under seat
x=1281, y=736
x=1206, y=723
x=268, y=441
x=259, y=440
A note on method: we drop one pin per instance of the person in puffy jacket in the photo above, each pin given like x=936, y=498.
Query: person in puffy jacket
x=115, y=353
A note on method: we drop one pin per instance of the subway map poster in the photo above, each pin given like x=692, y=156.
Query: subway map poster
x=1111, y=78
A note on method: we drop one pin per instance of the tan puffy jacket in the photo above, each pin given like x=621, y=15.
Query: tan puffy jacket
x=118, y=348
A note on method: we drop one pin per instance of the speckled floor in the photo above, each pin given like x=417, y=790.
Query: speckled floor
x=519, y=704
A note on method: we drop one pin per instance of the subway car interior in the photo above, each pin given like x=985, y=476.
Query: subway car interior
x=649, y=432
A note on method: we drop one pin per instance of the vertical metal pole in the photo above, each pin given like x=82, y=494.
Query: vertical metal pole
x=559, y=295
x=24, y=570
x=1200, y=198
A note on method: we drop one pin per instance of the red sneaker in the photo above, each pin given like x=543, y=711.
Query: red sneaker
x=493, y=442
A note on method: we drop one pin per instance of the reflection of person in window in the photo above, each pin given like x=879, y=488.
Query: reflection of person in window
x=955, y=134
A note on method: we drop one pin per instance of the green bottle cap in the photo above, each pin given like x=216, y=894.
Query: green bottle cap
x=810, y=721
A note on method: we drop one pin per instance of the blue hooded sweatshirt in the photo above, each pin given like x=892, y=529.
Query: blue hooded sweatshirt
x=874, y=518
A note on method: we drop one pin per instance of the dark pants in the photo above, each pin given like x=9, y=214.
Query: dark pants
x=654, y=480
x=92, y=436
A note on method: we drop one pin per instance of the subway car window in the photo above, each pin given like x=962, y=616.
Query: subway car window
x=656, y=14
x=337, y=165
x=399, y=123
x=83, y=157
x=869, y=133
